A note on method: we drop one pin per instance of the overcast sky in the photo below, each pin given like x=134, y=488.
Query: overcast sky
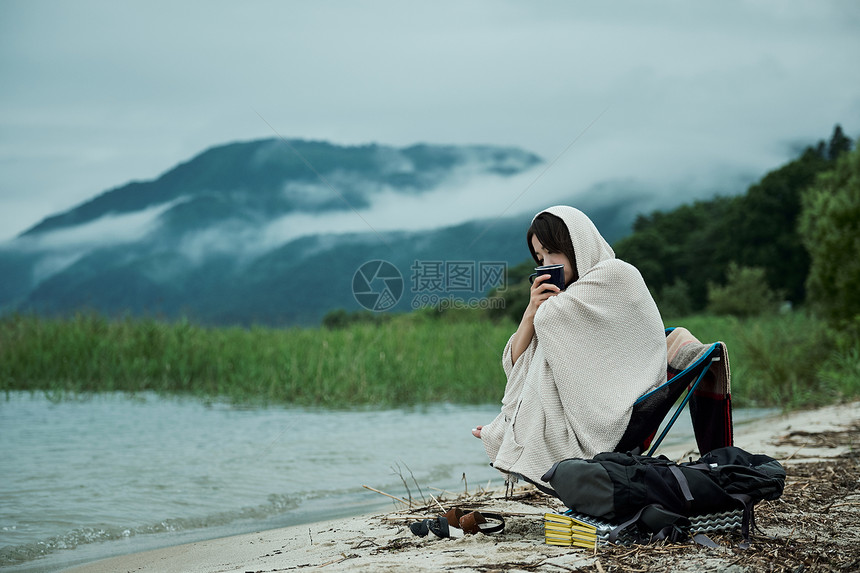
x=671, y=95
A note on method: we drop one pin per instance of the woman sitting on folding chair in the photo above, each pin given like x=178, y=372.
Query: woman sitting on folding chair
x=581, y=355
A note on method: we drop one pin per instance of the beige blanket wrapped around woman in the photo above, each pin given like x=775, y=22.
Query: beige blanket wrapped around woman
x=598, y=345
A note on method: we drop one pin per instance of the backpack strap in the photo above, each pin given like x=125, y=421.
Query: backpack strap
x=705, y=541
x=511, y=480
x=683, y=484
x=662, y=524
x=699, y=466
x=616, y=531
x=748, y=518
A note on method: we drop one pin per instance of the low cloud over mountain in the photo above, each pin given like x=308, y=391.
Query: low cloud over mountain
x=272, y=231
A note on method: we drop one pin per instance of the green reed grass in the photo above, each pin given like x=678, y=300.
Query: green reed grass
x=407, y=361
x=787, y=361
x=792, y=360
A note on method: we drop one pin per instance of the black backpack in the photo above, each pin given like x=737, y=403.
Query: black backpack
x=659, y=495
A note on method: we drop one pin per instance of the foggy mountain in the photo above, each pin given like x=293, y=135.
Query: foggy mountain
x=274, y=231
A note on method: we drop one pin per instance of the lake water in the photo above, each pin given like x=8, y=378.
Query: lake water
x=111, y=474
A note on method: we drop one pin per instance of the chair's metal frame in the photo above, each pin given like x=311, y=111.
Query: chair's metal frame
x=711, y=356
x=698, y=370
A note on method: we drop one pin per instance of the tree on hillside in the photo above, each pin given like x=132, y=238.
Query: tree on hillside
x=695, y=243
x=839, y=144
x=745, y=293
x=764, y=221
x=830, y=227
x=683, y=244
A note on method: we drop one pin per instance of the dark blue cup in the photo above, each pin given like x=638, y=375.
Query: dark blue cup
x=556, y=273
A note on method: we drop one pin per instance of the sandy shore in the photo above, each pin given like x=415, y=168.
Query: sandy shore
x=811, y=444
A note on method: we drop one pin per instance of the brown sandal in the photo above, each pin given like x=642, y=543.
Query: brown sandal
x=476, y=522
x=453, y=516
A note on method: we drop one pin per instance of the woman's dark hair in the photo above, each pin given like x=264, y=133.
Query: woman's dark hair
x=553, y=234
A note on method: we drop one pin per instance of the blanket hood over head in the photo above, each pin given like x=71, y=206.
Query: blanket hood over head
x=588, y=244
x=598, y=346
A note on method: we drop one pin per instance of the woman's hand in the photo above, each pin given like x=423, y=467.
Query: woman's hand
x=539, y=292
x=477, y=432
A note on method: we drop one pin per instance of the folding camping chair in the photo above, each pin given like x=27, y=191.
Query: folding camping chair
x=710, y=405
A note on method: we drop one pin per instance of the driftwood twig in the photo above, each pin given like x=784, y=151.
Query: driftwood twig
x=400, y=499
